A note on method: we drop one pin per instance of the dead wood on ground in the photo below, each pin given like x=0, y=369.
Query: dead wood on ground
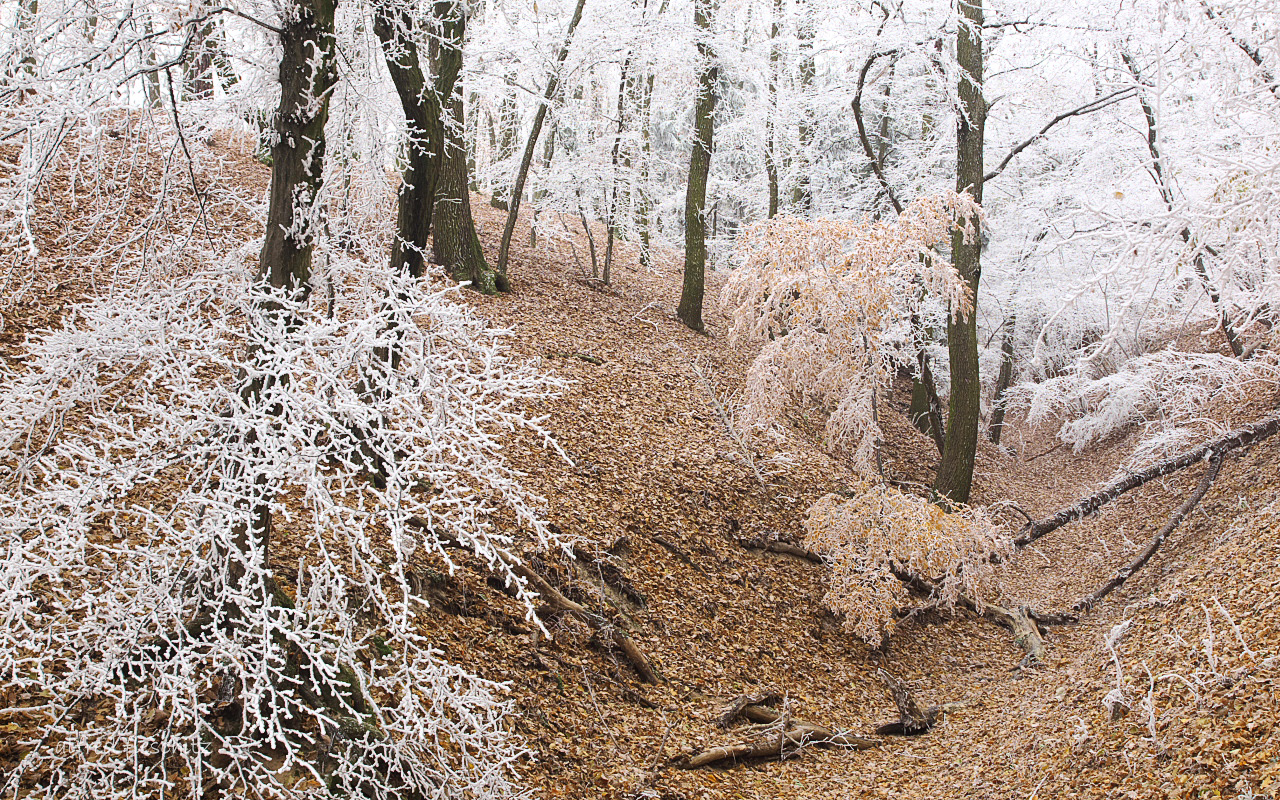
x=1241, y=437
x=558, y=602
x=777, y=736
x=772, y=545
x=1140, y=560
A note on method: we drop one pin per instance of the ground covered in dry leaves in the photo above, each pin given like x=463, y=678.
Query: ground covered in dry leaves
x=660, y=494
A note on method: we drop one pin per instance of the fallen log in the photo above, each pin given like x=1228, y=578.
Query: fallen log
x=1140, y=560
x=778, y=737
x=1241, y=437
x=777, y=546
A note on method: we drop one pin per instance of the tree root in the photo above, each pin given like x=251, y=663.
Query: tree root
x=558, y=602
x=777, y=736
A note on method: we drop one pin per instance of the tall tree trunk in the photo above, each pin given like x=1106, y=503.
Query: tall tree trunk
x=695, y=199
x=454, y=241
x=955, y=473
x=424, y=119
x=307, y=77
x=802, y=195
x=553, y=86
x=644, y=199
x=770, y=134
x=612, y=221
x=502, y=145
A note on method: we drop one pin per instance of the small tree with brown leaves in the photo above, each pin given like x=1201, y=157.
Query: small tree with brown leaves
x=833, y=303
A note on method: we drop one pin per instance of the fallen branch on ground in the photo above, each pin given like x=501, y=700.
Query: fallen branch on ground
x=769, y=545
x=1140, y=560
x=779, y=737
x=1242, y=437
x=556, y=599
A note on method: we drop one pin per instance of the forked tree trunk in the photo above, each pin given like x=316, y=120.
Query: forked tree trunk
x=955, y=473
x=539, y=117
x=423, y=111
x=695, y=201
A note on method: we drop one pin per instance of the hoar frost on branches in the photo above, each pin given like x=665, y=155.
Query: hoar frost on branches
x=834, y=304
x=161, y=652
x=881, y=533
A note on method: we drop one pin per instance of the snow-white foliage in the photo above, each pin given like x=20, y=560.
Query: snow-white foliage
x=145, y=629
x=833, y=304
x=879, y=534
x=1162, y=391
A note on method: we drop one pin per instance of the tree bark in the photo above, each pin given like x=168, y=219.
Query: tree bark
x=802, y=194
x=454, y=241
x=553, y=86
x=695, y=202
x=611, y=223
x=424, y=119
x=1003, y=381
x=955, y=473
x=770, y=134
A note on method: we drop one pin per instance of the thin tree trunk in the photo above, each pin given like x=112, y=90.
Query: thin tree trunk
x=644, y=202
x=1241, y=437
x=802, y=195
x=770, y=123
x=553, y=86
x=695, y=223
x=1003, y=382
x=502, y=145
x=612, y=221
x=955, y=473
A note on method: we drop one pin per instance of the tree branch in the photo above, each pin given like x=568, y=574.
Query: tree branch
x=1096, y=104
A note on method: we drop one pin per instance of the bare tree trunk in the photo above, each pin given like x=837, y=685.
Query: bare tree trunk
x=424, y=118
x=502, y=145
x=802, y=195
x=548, y=97
x=644, y=202
x=955, y=473
x=695, y=223
x=612, y=221
x=770, y=123
x=1003, y=382
x=454, y=241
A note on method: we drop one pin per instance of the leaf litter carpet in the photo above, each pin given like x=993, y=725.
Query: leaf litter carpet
x=659, y=494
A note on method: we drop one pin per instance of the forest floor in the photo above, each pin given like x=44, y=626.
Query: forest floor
x=659, y=496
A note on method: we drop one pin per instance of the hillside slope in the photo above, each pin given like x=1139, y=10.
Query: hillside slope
x=659, y=495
